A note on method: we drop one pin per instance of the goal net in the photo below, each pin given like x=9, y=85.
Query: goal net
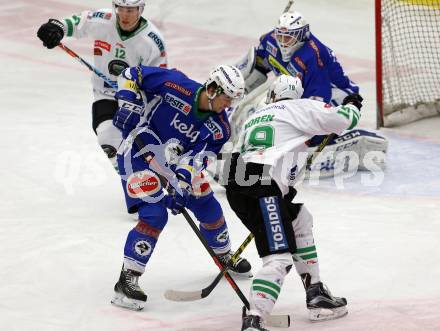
x=408, y=60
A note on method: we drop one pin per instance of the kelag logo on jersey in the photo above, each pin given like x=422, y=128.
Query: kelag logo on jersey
x=157, y=40
x=177, y=103
x=215, y=129
x=183, y=128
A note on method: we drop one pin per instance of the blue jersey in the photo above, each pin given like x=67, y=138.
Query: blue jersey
x=314, y=63
x=174, y=112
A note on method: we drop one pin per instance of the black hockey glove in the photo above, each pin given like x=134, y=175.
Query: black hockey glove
x=355, y=99
x=51, y=33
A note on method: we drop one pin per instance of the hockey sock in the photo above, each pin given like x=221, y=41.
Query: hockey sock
x=139, y=246
x=213, y=226
x=267, y=283
x=305, y=257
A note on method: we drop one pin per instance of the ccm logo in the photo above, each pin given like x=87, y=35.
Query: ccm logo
x=132, y=107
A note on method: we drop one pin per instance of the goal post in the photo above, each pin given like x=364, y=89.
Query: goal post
x=407, y=60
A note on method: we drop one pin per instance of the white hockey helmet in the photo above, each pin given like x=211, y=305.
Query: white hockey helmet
x=290, y=33
x=228, y=79
x=129, y=3
x=284, y=87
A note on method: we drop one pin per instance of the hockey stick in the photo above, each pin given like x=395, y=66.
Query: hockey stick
x=282, y=321
x=113, y=84
x=289, y=4
x=176, y=295
x=315, y=154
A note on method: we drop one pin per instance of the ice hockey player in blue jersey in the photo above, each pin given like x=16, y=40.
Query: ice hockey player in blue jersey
x=291, y=49
x=182, y=122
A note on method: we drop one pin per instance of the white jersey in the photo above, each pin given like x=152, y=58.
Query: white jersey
x=113, y=51
x=276, y=134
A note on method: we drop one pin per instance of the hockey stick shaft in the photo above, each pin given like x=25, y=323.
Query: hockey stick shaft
x=113, y=84
x=315, y=154
x=289, y=4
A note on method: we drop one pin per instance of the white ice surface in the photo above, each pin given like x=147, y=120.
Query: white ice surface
x=62, y=218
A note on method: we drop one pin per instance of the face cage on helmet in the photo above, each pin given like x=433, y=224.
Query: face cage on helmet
x=289, y=38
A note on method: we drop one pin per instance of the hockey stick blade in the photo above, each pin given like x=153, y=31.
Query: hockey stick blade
x=277, y=321
x=175, y=295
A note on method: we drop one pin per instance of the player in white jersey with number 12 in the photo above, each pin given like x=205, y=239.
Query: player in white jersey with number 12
x=260, y=191
x=122, y=39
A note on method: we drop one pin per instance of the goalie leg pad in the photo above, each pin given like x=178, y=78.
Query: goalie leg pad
x=351, y=151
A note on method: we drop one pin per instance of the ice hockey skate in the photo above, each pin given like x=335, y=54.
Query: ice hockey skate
x=241, y=267
x=128, y=294
x=252, y=323
x=322, y=305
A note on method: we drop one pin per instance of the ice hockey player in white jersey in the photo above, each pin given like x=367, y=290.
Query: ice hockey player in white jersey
x=122, y=39
x=260, y=191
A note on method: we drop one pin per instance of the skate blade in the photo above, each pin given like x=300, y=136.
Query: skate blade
x=244, y=275
x=323, y=314
x=122, y=301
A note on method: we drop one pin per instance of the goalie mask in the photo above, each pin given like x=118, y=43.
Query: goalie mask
x=284, y=87
x=290, y=33
x=225, y=79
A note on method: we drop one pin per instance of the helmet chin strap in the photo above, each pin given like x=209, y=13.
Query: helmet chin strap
x=210, y=97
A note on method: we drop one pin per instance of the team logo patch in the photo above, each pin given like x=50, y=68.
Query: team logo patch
x=223, y=236
x=142, y=184
x=271, y=48
x=142, y=248
x=102, y=44
x=177, y=103
x=214, y=128
x=157, y=41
